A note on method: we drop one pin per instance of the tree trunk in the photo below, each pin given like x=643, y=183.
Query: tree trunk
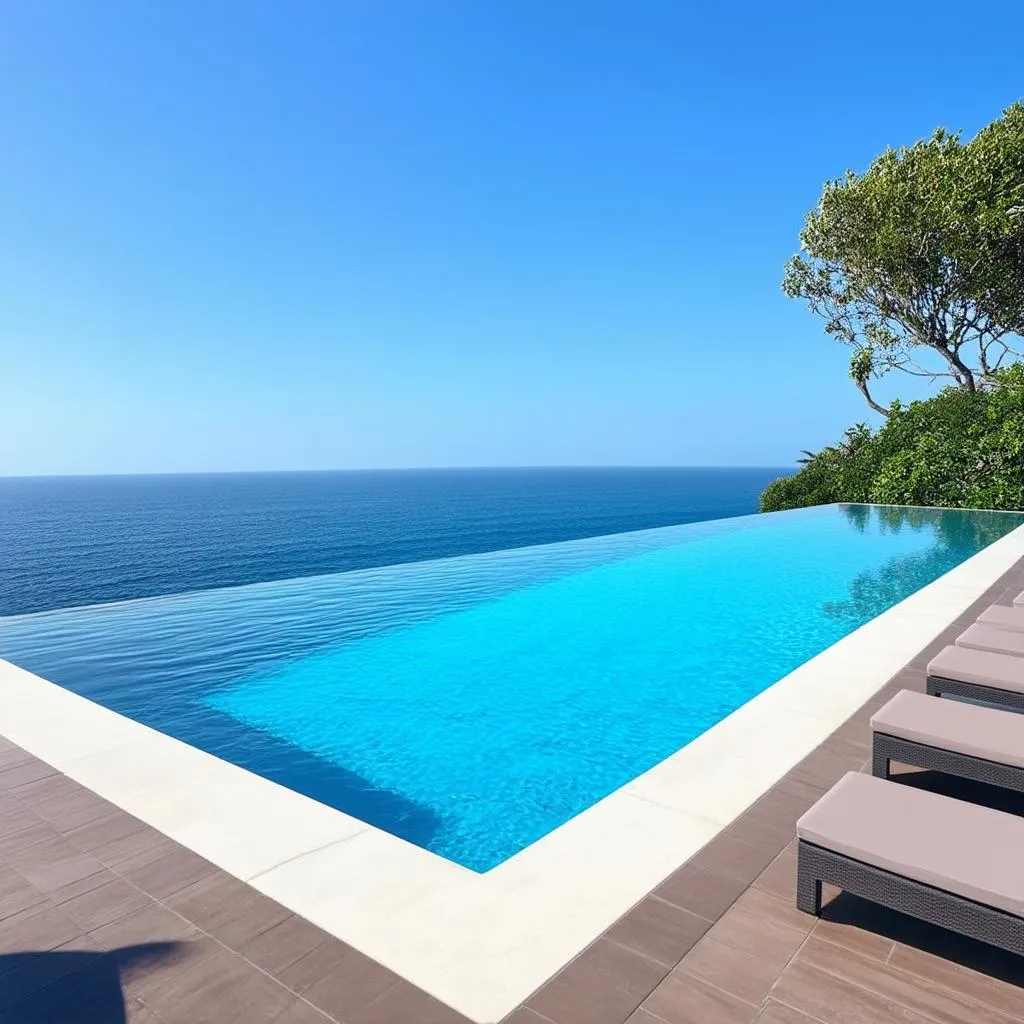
x=961, y=371
x=862, y=387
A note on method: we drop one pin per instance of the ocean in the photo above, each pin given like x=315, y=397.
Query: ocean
x=67, y=541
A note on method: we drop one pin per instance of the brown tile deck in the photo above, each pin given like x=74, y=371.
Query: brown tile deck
x=105, y=920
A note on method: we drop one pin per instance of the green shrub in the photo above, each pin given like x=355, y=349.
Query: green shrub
x=960, y=449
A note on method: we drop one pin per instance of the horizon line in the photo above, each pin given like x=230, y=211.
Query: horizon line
x=379, y=469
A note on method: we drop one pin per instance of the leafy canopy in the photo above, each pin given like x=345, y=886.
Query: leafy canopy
x=918, y=263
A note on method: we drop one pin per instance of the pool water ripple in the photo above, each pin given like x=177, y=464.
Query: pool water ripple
x=470, y=705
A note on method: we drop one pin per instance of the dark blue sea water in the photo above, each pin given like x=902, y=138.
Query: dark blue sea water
x=82, y=540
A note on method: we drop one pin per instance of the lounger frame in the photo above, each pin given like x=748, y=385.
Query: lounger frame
x=886, y=748
x=937, y=686
x=816, y=865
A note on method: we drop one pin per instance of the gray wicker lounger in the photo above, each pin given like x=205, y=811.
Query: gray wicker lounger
x=981, y=675
x=990, y=638
x=1003, y=617
x=944, y=861
x=966, y=740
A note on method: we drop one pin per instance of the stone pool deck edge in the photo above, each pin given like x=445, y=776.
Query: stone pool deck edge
x=484, y=943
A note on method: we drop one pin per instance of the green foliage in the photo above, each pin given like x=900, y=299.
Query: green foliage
x=922, y=255
x=960, y=449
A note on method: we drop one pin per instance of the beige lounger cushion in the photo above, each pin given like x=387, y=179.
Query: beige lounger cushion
x=953, y=725
x=983, y=668
x=1003, y=617
x=962, y=848
x=989, y=638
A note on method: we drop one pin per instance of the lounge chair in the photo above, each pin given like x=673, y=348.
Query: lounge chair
x=1004, y=617
x=1019, y=599
x=944, y=861
x=971, y=742
x=980, y=675
x=989, y=638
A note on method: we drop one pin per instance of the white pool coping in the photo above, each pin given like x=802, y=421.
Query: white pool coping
x=483, y=943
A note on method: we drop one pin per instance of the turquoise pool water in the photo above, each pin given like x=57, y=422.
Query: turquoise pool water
x=471, y=705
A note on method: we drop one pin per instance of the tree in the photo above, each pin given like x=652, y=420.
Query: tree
x=918, y=263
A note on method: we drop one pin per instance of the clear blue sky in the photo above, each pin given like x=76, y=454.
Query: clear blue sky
x=346, y=234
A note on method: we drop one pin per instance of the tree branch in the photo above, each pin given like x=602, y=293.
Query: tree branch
x=862, y=387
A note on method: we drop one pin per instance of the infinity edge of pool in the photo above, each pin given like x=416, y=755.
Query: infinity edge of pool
x=482, y=943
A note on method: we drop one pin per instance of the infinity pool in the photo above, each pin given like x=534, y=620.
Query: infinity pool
x=470, y=705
